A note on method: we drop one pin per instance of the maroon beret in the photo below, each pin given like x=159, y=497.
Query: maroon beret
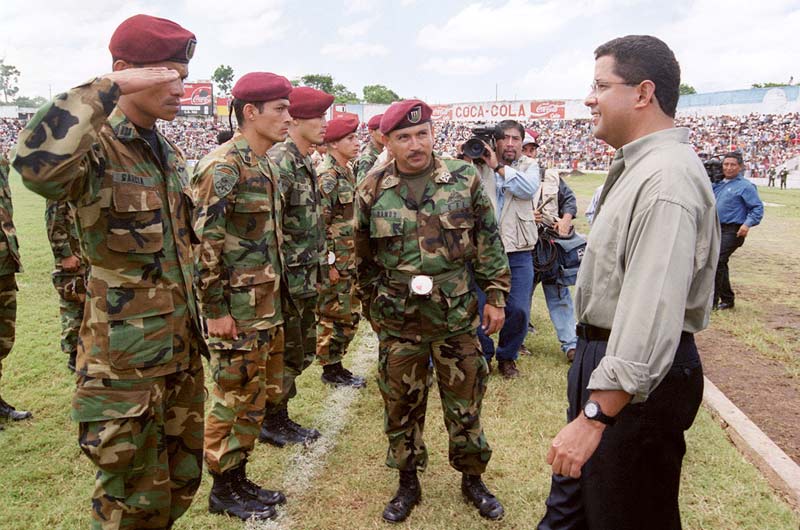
x=406, y=113
x=261, y=86
x=143, y=39
x=374, y=122
x=306, y=103
x=338, y=128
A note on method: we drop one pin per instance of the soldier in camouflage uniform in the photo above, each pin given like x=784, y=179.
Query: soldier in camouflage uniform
x=239, y=265
x=303, y=256
x=69, y=276
x=370, y=151
x=338, y=306
x=139, y=397
x=423, y=222
x=10, y=264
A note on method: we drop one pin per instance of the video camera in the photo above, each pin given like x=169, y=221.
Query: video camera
x=713, y=167
x=474, y=148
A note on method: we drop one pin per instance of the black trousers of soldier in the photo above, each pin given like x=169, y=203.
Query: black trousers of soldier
x=632, y=480
x=728, y=244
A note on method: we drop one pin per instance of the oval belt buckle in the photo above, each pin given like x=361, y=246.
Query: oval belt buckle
x=421, y=285
x=331, y=258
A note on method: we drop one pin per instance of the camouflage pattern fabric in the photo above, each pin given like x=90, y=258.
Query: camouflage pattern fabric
x=8, y=316
x=452, y=227
x=140, y=341
x=70, y=285
x=9, y=264
x=404, y=377
x=338, y=307
x=303, y=244
x=366, y=160
x=300, y=345
x=146, y=438
x=246, y=376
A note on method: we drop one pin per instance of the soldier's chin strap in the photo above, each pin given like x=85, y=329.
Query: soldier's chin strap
x=230, y=115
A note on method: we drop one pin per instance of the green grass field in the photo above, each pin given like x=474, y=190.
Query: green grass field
x=46, y=483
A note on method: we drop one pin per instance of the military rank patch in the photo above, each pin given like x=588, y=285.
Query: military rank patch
x=225, y=178
x=328, y=185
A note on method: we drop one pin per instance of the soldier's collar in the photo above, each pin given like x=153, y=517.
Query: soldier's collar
x=121, y=125
x=442, y=175
x=243, y=149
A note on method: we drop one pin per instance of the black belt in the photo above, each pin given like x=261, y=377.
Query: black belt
x=589, y=332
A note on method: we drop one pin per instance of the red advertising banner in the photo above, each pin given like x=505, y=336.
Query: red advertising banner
x=501, y=110
x=197, y=99
x=339, y=111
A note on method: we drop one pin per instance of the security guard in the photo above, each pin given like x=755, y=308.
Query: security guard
x=422, y=222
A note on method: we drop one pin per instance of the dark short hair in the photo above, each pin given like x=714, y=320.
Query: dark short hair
x=238, y=108
x=511, y=124
x=734, y=154
x=642, y=57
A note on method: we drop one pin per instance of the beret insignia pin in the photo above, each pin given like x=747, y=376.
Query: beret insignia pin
x=415, y=114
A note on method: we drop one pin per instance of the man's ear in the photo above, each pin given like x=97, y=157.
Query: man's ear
x=120, y=64
x=646, y=93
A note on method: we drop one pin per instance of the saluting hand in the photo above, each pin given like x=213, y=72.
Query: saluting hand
x=132, y=80
x=223, y=327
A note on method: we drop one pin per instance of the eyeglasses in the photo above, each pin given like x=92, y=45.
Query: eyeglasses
x=600, y=86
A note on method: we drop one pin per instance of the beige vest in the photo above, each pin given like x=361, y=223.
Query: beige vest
x=517, y=226
x=546, y=197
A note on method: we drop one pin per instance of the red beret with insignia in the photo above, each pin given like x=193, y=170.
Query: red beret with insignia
x=406, y=113
x=374, y=122
x=261, y=86
x=143, y=39
x=306, y=103
x=338, y=128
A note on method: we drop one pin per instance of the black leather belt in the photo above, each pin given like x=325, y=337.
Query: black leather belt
x=589, y=332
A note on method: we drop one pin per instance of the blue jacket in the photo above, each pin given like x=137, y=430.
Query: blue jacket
x=738, y=202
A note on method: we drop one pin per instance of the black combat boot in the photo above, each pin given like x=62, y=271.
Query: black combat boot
x=476, y=492
x=308, y=435
x=337, y=375
x=10, y=413
x=408, y=495
x=276, y=430
x=229, y=497
x=264, y=496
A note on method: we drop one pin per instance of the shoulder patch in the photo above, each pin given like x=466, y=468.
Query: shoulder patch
x=328, y=184
x=225, y=177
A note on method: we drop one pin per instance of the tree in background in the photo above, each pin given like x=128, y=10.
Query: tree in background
x=325, y=83
x=223, y=77
x=687, y=89
x=34, y=102
x=767, y=85
x=379, y=94
x=9, y=77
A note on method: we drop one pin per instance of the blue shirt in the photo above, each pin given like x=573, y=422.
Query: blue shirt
x=738, y=202
x=521, y=185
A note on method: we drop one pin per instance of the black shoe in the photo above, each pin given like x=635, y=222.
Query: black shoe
x=725, y=305
x=339, y=376
x=228, y=497
x=476, y=492
x=408, y=495
x=10, y=413
x=508, y=369
x=264, y=496
x=308, y=435
x=275, y=430
x=71, y=361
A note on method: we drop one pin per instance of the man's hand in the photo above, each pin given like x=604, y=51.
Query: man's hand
x=70, y=263
x=223, y=327
x=574, y=445
x=564, y=225
x=132, y=80
x=489, y=156
x=537, y=216
x=333, y=274
x=743, y=230
x=493, y=319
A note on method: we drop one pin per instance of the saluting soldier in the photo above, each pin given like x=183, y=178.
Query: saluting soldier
x=303, y=251
x=422, y=223
x=139, y=397
x=371, y=151
x=10, y=264
x=69, y=276
x=338, y=306
x=238, y=222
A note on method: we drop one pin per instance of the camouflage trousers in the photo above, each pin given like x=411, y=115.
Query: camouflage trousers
x=405, y=373
x=300, y=332
x=71, y=289
x=338, y=309
x=145, y=436
x=245, y=379
x=8, y=316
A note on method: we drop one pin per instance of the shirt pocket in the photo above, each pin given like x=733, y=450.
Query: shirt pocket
x=135, y=224
x=526, y=230
x=460, y=303
x=253, y=293
x=302, y=194
x=457, y=234
x=140, y=333
x=346, y=197
x=252, y=216
x=389, y=307
x=387, y=233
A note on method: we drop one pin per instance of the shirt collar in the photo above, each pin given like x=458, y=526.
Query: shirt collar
x=640, y=147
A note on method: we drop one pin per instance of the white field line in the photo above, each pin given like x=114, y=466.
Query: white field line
x=306, y=463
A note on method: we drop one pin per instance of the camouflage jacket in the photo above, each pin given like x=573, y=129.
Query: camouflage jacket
x=366, y=160
x=133, y=217
x=337, y=187
x=237, y=220
x=59, y=217
x=454, y=226
x=303, y=238
x=9, y=246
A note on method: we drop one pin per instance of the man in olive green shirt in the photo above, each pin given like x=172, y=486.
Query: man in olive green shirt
x=644, y=289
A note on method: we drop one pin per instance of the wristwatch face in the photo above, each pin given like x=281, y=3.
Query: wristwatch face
x=591, y=410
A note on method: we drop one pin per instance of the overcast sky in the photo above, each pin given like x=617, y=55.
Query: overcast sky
x=443, y=51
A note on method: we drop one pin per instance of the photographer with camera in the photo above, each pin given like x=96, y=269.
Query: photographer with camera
x=510, y=179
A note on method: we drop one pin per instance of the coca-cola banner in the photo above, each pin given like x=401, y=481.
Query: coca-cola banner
x=494, y=111
x=197, y=99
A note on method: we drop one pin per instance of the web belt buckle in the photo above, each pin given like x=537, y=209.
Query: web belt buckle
x=421, y=285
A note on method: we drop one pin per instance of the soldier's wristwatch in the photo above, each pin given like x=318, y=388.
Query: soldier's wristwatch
x=592, y=411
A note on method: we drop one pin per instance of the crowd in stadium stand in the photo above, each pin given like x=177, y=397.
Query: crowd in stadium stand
x=765, y=140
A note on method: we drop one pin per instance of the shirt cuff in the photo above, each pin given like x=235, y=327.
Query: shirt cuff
x=614, y=373
x=496, y=297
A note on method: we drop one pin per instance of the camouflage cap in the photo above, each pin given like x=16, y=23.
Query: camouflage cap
x=142, y=39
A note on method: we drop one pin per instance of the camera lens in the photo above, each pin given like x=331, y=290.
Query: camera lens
x=474, y=148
